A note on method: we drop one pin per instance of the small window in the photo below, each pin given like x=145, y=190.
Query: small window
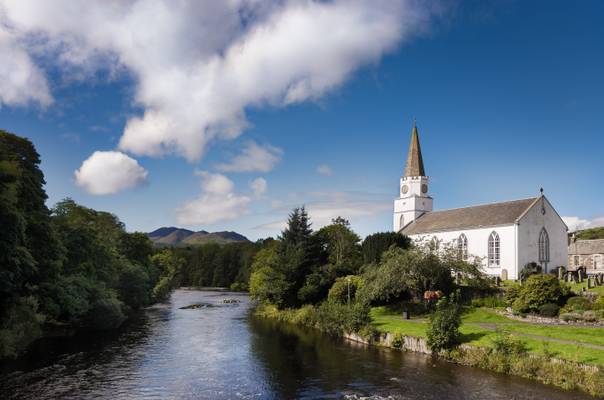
x=598, y=261
x=494, y=250
x=462, y=247
x=576, y=261
x=543, y=246
x=402, y=225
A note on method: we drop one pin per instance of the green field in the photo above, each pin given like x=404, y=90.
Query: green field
x=479, y=327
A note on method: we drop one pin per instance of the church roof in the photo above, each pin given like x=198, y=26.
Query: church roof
x=494, y=214
x=415, y=163
x=587, y=247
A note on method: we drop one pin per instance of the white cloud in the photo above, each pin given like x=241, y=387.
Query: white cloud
x=325, y=169
x=108, y=172
x=576, y=223
x=253, y=158
x=322, y=207
x=198, y=65
x=259, y=186
x=21, y=82
x=217, y=202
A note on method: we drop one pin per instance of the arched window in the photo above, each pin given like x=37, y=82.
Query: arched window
x=494, y=250
x=597, y=261
x=543, y=246
x=462, y=247
x=402, y=225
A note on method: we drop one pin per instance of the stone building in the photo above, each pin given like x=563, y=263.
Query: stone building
x=505, y=235
x=586, y=253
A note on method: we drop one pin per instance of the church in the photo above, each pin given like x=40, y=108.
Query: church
x=505, y=236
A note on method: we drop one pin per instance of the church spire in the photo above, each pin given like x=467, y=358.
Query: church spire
x=415, y=163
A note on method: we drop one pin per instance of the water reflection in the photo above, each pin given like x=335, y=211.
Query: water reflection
x=221, y=353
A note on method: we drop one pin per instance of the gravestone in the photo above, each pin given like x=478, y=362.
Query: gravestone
x=580, y=272
x=560, y=273
x=504, y=274
x=589, y=282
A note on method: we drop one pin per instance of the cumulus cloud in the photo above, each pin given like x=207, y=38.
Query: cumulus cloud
x=108, y=172
x=198, y=65
x=216, y=202
x=325, y=169
x=576, y=223
x=259, y=186
x=21, y=81
x=253, y=158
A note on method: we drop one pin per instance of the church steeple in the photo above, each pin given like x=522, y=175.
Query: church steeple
x=415, y=163
x=413, y=200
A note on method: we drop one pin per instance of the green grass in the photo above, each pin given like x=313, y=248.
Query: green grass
x=578, y=288
x=387, y=320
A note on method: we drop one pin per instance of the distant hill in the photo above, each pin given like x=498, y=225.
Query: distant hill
x=591, y=233
x=172, y=236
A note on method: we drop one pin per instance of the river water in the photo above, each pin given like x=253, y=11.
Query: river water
x=221, y=352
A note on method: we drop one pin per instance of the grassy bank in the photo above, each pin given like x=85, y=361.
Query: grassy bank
x=570, y=357
x=565, y=356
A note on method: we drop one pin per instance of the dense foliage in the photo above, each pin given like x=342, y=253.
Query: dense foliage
x=70, y=267
x=591, y=233
x=537, y=291
x=375, y=245
x=443, y=329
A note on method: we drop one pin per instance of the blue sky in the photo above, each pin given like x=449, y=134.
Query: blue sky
x=508, y=96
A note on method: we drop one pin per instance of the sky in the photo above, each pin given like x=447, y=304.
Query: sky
x=226, y=115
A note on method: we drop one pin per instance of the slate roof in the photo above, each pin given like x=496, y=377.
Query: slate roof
x=494, y=214
x=587, y=247
x=415, y=162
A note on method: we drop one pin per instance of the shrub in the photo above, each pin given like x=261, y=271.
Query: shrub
x=489, y=301
x=599, y=303
x=511, y=294
x=571, y=316
x=20, y=327
x=508, y=345
x=335, y=318
x=443, y=329
x=530, y=269
x=589, y=316
x=578, y=303
x=549, y=310
x=398, y=340
x=537, y=291
x=339, y=290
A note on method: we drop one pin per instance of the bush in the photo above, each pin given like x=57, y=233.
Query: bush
x=339, y=290
x=537, y=291
x=106, y=313
x=511, y=294
x=549, y=310
x=599, y=303
x=590, y=316
x=489, y=301
x=571, y=316
x=335, y=318
x=443, y=329
x=20, y=327
x=578, y=303
x=509, y=345
x=398, y=340
x=530, y=269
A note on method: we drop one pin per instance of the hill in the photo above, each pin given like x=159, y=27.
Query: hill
x=591, y=233
x=172, y=236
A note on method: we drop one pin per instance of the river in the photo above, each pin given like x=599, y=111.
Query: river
x=221, y=352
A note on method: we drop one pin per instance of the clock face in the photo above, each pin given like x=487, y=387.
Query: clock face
x=424, y=188
x=405, y=189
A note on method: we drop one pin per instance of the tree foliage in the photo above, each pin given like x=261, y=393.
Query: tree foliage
x=537, y=291
x=375, y=245
x=443, y=328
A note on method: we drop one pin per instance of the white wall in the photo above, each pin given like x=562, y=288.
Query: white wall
x=478, y=243
x=529, y=228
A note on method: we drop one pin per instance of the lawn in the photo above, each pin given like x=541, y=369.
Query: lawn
x=478, y=328
x=578, y=287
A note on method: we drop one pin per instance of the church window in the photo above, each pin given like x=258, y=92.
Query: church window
x=402, y=225
x=598, y=261
x=462, y=247
x=494, y=250
x=543, y=246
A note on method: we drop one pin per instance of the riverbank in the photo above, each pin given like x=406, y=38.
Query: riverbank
x=547, y=359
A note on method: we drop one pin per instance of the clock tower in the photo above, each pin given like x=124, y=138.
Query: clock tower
x=413, y=198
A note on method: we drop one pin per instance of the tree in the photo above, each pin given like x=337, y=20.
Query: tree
x=268, y=283
x=405, y=274
x=537, y=291
x=443, y=328
x=341, y=245
x=375, y=245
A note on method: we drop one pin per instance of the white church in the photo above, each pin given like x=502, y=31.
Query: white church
x=505, y=235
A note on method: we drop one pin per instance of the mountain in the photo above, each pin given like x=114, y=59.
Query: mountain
x=172, y=236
